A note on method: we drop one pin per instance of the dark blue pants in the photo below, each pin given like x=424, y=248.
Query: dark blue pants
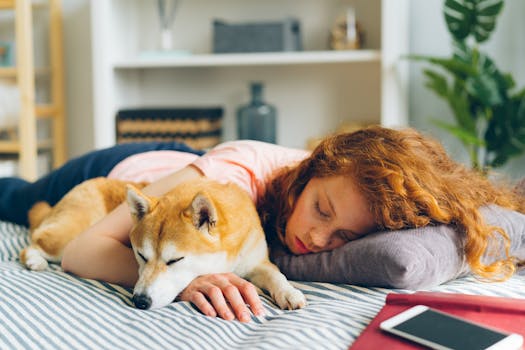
x=17, y=196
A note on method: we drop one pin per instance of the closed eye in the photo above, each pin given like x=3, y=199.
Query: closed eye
x=347, y=235
x=142, y=257
x=320, y=212
x=173, y=261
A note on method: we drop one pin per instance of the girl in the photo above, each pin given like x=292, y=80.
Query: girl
x=350, y=186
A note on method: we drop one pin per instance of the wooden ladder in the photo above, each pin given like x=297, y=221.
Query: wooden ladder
x=26, y=146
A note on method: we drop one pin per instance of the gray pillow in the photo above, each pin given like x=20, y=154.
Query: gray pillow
x=409, y=259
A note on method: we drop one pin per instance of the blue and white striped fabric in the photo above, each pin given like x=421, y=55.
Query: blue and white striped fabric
x=54, y=310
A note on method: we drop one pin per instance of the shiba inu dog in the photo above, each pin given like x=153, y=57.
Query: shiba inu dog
x=199, y=227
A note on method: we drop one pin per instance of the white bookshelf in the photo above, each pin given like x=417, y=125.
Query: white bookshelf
x=314, y=90
x=250, y=59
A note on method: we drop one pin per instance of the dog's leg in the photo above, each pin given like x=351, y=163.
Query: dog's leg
x=267, y=276
x=53, y=228
x=33, y=257
x=37, y=214
x=50, y=238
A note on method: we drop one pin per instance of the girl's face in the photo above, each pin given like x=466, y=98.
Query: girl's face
x=328, y=213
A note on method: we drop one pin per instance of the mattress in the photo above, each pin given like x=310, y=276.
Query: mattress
x=56, y=310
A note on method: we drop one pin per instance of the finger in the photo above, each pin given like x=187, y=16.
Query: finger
x=249, y=295
x=199, y=300
x=237, y=303
x=216, y=297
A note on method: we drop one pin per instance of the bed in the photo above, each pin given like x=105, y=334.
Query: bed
x=55, y=310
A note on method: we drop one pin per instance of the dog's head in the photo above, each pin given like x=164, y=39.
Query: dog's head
x=176, y=238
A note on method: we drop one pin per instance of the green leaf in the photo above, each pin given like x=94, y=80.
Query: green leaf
x=485, y=27
x=488, y=67
x=437, y=83
x=456, y=98
x=498, y=161
x=458, y=18
x=486, y=85
x=468, y=138
x=452, y=65
x=472, y=17
x=484, y=88
x=505, y=135
x=520, y=94
x=461, y=105
x=461, y=52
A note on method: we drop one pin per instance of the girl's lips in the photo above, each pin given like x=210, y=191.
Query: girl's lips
x=300, y=247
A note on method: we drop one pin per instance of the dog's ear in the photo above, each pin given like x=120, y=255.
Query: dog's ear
x=203, y=213
x=139, y=204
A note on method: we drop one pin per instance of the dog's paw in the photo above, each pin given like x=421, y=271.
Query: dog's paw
x=33, y=260
x=290, y=299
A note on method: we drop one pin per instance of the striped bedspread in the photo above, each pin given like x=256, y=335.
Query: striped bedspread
x=54, y=310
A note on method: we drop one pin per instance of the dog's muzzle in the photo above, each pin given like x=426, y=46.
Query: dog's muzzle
x=141, y=301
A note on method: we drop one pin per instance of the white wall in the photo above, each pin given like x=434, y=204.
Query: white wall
x=79, y=96
x=429, y=36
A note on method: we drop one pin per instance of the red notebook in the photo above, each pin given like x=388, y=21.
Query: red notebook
x=506, y=314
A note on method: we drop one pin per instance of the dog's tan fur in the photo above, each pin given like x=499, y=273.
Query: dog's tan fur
x=199, y=227
x=53, y=228
x=228, y=233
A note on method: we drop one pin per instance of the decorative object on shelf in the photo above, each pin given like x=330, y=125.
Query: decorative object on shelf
x=7, y=54
x=489, y=113
x=346, y=34
x=257, y=120
x=273, y=36
x=167, y=10
x=200, y=127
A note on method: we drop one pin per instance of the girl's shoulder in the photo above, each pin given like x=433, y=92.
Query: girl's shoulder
x=247, y=163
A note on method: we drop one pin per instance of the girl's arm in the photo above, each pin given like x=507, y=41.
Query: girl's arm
x=103, y=251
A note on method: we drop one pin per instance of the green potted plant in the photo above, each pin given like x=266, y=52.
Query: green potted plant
x=489, y=112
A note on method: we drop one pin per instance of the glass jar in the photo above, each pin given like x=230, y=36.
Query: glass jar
x=257, y=120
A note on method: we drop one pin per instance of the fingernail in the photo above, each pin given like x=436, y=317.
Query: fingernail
x=245, y=317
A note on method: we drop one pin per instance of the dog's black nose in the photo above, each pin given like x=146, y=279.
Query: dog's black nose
x=142, y=301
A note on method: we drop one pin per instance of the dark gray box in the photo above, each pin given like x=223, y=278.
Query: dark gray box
x=276, y=36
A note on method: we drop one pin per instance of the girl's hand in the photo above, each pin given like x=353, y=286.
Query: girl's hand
x=212, y=293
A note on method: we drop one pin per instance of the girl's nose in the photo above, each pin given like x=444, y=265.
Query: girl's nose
x=320, y=239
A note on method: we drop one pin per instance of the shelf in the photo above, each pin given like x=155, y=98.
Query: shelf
x=25, y=145
x=13, y=147
x=7, y=72
x=9, y=147
x=316, y=91
x=10, y=72
x=160, y=59
x=10, y=4
x=7, y=4
x=45, y=111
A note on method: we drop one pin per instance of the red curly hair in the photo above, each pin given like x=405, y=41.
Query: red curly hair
x=408, y=181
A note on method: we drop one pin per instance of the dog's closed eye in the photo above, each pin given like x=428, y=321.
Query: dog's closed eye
x=173, y=261
x=142, y=257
